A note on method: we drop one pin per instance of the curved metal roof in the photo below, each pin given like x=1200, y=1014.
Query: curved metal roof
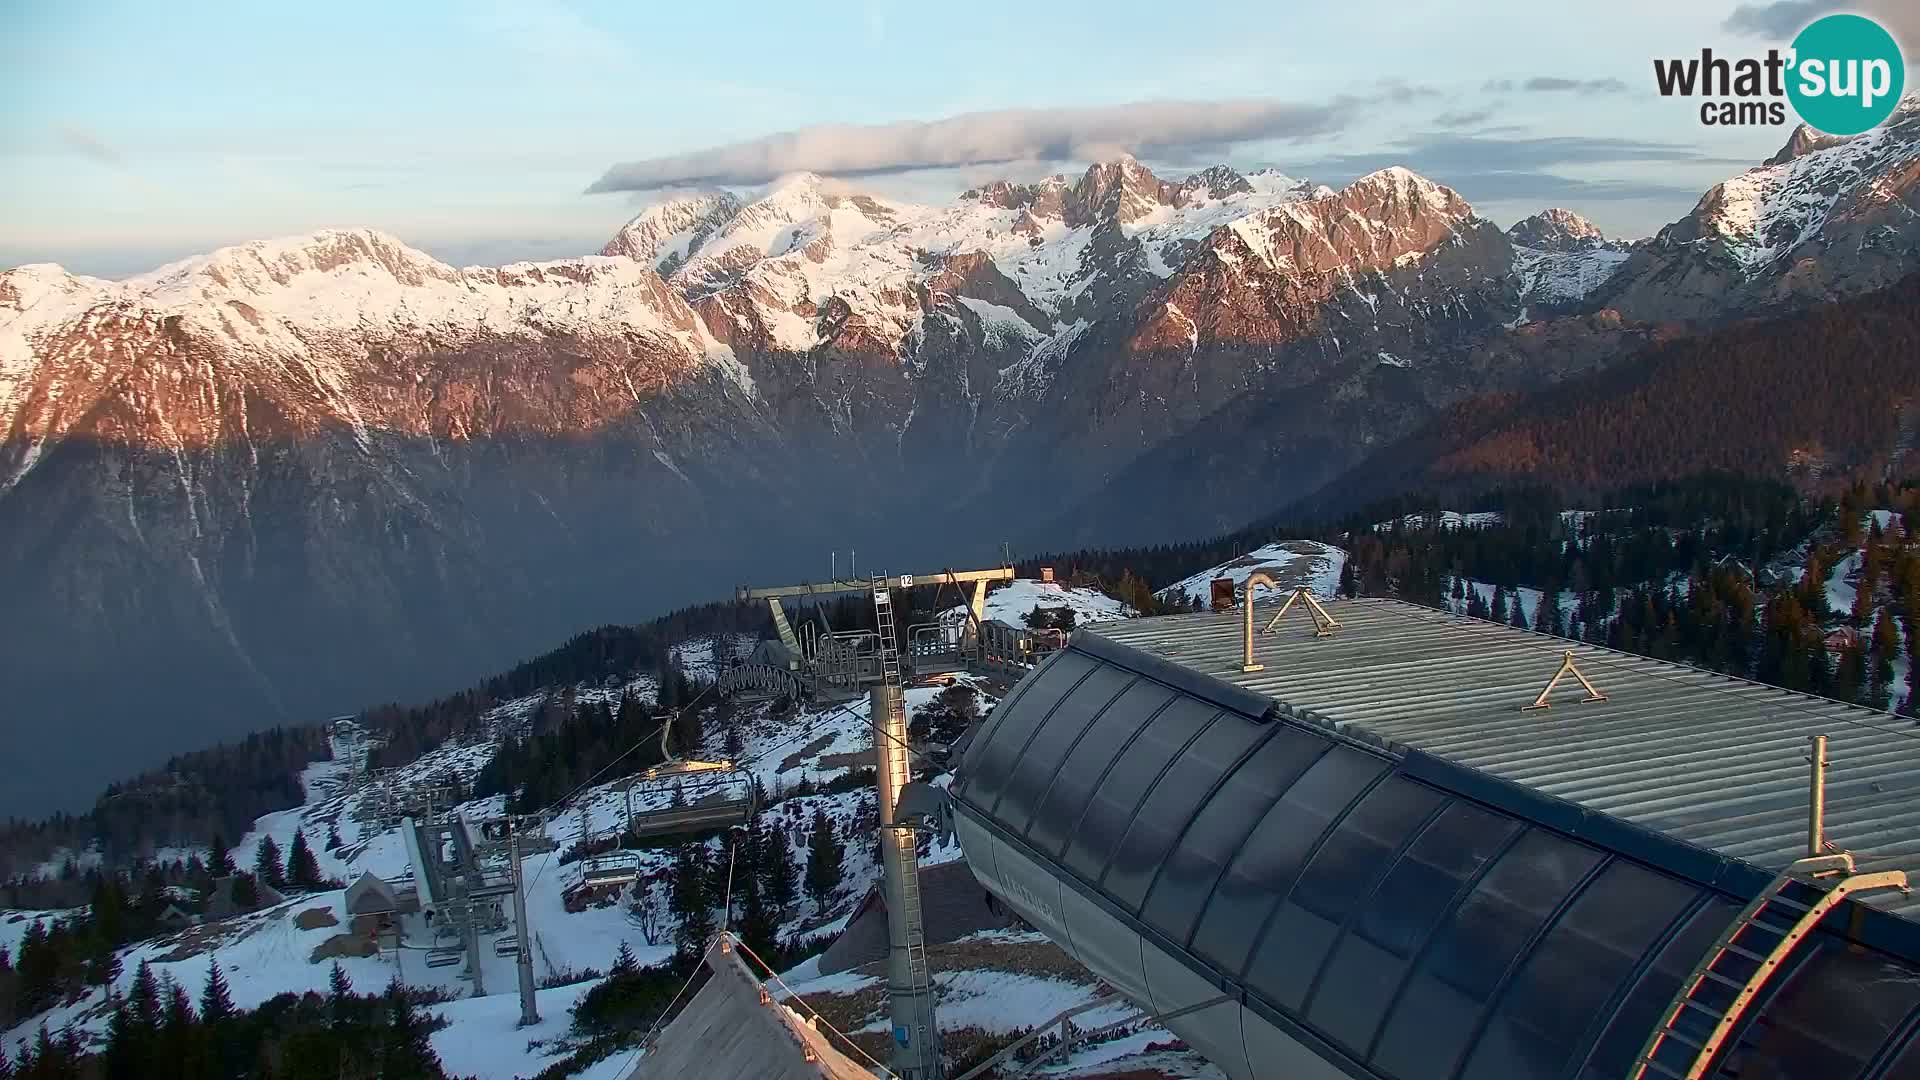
x=1406, y=917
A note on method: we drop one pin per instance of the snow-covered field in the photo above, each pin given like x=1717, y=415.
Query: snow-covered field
x=1290, y=563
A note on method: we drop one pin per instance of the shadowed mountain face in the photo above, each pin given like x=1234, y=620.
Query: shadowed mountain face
x=290, y=479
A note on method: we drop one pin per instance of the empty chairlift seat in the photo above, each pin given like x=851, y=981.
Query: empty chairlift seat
x=444, y=957
x=506, y=945
x=682, y=796
x=612, y=868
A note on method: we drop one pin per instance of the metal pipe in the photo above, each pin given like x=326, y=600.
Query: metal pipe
x=1817, y=798
x=1246, y=619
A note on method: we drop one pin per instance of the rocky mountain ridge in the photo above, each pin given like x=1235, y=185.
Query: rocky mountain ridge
x=300, y=475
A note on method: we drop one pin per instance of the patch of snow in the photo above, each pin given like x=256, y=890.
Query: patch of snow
x=1013, y=600
x=1291, y=563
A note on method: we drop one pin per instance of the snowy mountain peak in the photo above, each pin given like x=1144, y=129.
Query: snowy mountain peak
x=270, y=265
x=1214, y=182
x=1769, y=211
x=667, y=233
x=1122, y=189
x=1556, y=229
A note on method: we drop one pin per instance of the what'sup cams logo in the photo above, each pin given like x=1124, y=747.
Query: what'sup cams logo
x=1843, y=75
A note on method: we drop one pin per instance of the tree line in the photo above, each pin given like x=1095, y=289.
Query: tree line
x=157, y=1031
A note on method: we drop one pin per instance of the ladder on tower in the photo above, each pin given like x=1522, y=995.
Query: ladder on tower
x=917, y=969
x=883, y=617
x=1712, y=1000
x=896, y=756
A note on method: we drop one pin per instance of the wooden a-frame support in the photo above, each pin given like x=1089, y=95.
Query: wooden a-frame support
x=1566, y=668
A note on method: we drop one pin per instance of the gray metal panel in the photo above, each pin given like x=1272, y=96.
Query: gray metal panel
x=1215, y=1030
x=1104, y=945
x=1705, y=758
x=1275, y=1055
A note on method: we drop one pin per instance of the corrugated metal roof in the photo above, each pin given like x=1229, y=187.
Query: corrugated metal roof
x=1716, y=761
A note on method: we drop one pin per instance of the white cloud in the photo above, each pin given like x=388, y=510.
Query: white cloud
x=986, y=138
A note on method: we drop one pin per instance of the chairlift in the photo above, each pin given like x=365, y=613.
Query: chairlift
x=612, y=868
x=713, y=794
x=506, y=945
x=444, y=957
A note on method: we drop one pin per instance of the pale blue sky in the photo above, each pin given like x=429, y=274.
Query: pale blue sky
x=139, y=132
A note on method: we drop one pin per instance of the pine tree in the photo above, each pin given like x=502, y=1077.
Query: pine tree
x=303, y=870
x=623, y=961
x=125, y=1059
x=339, y=990
x=109, y=910
x=1885, y=642
x=779, y=882
x=266, y=863
x=334, y=843
x=216, y=1002
x=1519, y=611
x=1499, y=612
x=692, y=906
x=246, y=892
x=219, y=864
x=825, y=852
x=179, y=1040
x=407, y=1053
x=143, y=999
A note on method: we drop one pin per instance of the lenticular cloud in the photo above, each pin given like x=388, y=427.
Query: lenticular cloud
x=983, y=138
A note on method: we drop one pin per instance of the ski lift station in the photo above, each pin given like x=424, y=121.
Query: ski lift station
x=1372, y=840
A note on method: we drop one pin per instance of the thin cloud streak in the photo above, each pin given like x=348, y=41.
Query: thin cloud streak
x=1148, y=128
x=1553, y=84
x=90, y=146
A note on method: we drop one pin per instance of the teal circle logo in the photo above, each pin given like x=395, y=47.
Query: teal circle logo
x=1847, y=74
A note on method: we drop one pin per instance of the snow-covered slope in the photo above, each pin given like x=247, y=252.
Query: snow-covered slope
x=272, y=951
x=1768, y=211
x=1290, y=563
x=1823, y=219
x=1564, y=277
x=1013, y=601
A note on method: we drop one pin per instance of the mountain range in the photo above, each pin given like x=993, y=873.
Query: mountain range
x=291, y=478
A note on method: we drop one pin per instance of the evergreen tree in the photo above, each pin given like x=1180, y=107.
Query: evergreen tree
x=216, y=1002
x=1884, y=643
x=623, y=961
x=219, y=864
x=334, y=843
x=1499, y=612
x=407, y=1053
x=1349, y=585
x=1519, y=621
x=339, y=991
x=266, y=863
x=779, y=881
x=246, y=892
x=143, y=999
x=179, y=1040
x=124, y=1059
x=109, y=910
x=689, y=900
x=825, y=853
x=303, y=870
